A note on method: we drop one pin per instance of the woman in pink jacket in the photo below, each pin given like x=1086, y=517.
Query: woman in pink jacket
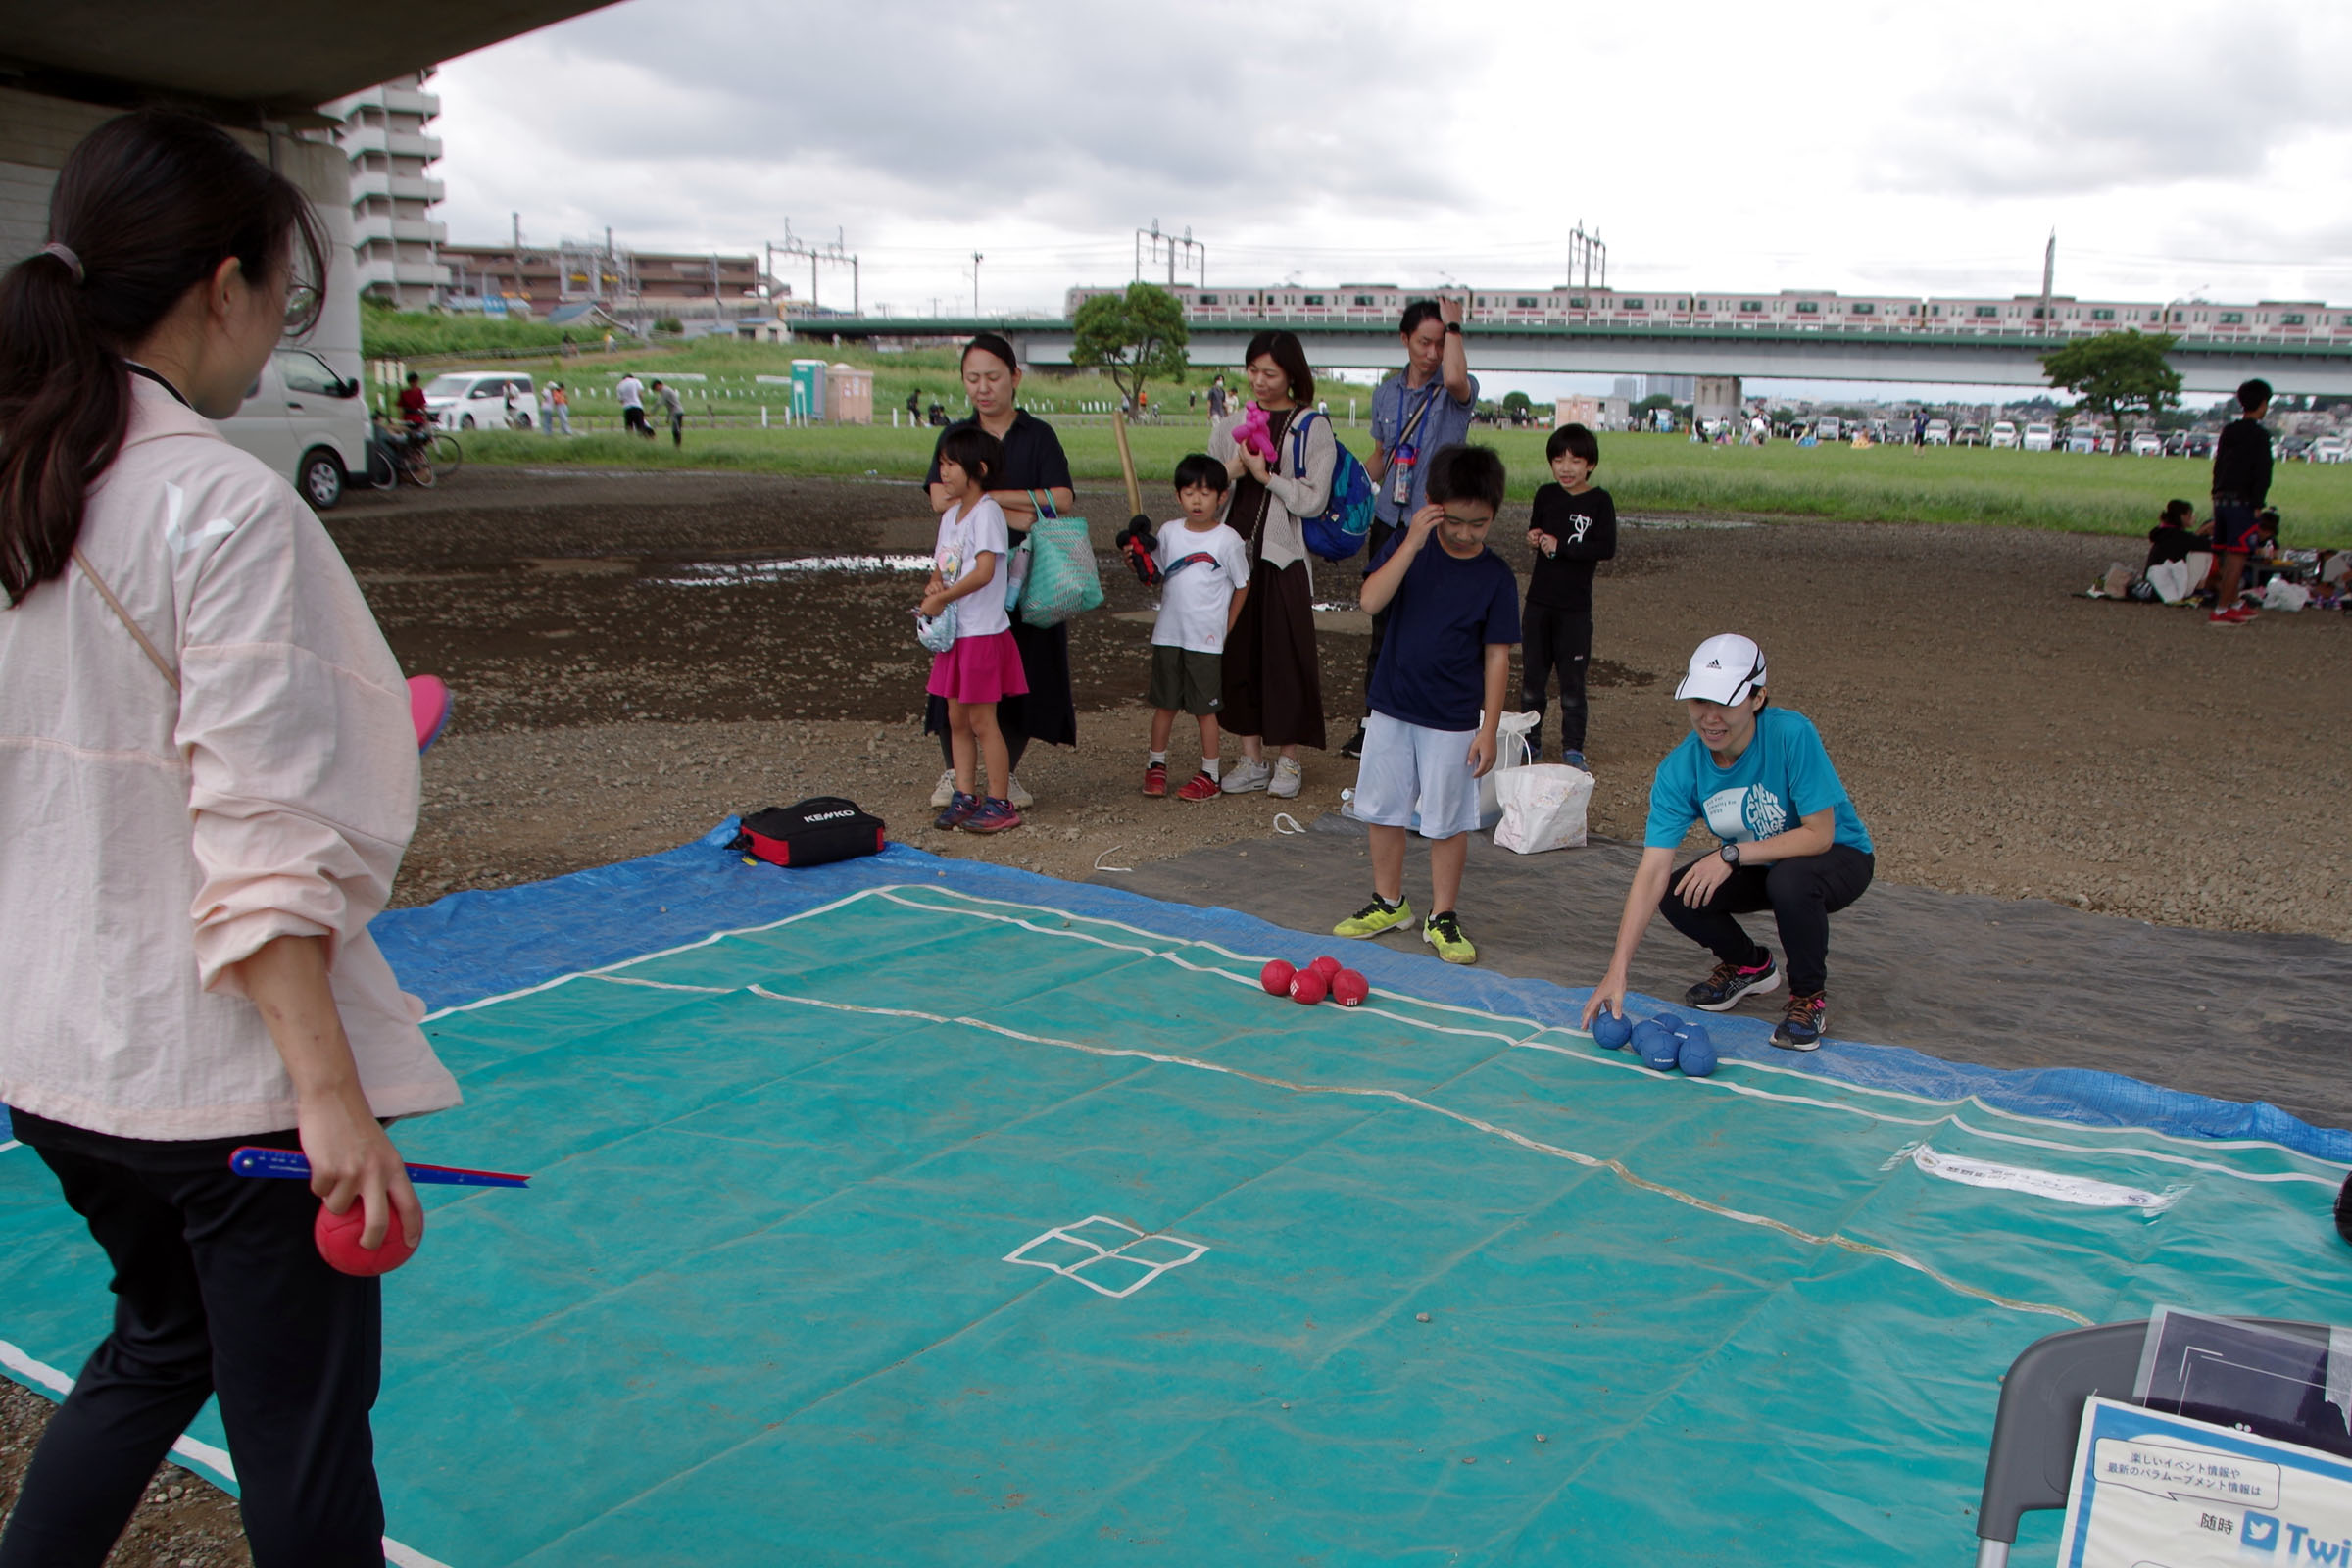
x=207, y=780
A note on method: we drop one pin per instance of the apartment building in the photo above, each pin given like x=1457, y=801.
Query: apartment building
x=396, y=239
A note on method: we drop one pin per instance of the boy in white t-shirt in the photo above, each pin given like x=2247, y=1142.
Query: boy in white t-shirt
x=1205, y=574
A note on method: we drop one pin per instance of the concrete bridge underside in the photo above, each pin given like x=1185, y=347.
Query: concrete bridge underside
x=2207, y=369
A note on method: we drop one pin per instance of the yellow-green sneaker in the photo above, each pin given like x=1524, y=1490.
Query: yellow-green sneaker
x=1374, y=918
x=1444, y=933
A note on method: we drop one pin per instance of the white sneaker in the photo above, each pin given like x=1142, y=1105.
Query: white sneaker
x=1020, y=797
x=945, y=795
x=1287, y=776
x=1245, y=776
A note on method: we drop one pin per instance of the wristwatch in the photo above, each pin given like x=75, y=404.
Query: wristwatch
x=1455, y=328
x=1730, y=853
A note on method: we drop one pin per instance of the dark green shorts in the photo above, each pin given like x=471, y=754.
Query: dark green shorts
x=1183, y=681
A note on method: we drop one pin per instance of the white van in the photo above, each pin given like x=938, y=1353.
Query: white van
x=305, y=422
x=482, y=400
x=2004, y=433
x=2040, y=437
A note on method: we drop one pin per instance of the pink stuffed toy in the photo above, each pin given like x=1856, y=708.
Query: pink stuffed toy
x=1253, y=433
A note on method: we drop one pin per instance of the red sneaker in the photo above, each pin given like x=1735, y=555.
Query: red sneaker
x=1156, y=779
x=1200, y=787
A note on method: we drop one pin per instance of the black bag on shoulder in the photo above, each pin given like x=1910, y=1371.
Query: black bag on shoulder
x=815, y=832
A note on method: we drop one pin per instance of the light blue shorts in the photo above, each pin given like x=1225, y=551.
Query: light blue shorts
x=1406, y=767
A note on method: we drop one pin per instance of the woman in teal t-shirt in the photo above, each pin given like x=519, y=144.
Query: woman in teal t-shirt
x=1788, y=842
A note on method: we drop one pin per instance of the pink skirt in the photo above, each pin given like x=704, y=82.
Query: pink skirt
x=979, y=669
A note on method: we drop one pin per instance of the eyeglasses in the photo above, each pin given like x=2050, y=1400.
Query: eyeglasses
x=302, y=307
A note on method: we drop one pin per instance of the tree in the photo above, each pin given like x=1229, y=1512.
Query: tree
x=1138, y=336
x=2117, y=373
x=1517, y=405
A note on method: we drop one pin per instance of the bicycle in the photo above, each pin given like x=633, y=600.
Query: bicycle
x=422, y=458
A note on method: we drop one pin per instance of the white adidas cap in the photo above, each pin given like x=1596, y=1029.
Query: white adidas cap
x=1727, y=669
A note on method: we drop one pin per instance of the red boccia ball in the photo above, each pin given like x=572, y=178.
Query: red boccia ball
x=1326, y=966
x=1276, y=977
x=1309, y=987
x=1350, y=989
x=338, y=1239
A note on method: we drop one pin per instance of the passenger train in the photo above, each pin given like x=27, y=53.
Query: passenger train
x=2270, y=321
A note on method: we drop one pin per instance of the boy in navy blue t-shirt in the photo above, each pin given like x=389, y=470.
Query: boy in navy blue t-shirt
x=1436, y=692
x=1788, y=841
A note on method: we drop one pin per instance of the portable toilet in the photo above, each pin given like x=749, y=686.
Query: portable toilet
x=849, y=395
x=808, y=389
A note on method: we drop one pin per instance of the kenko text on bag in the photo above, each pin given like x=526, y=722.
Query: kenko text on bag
x=815, y=832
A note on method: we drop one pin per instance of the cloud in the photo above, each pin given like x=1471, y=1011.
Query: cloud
x=1899, y=148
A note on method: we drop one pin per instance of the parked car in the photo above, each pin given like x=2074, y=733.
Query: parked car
x=2037, y=437
x=307, y=422
x=2080, y=438
x=1968, y=436
x=2176, y=443
x=2148, y=444
x=2004, y=434
x=478, y=399
x=1939, y=432
x=1828, y=427
x=2199, y=444
x=2329, y=449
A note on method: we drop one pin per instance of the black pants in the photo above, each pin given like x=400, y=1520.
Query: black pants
x=1374, y=543
x=633, y=418
x=1555, y=641
x=677, y=429
x=219, y=1289
x=1801, y=893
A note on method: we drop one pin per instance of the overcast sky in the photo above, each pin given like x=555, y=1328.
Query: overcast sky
x=2177, y=148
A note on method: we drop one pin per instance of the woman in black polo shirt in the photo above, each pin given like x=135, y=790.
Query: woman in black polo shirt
x=1033, y=461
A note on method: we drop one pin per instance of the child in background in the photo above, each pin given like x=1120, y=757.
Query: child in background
x=2175, y=536
x=1205, y=574
x=983, y=665
x=1436, y=692
x=1573, y=525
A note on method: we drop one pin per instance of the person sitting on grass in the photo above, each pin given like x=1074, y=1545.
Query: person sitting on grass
x=1204, y=576
x=1790, y=842
x=1436, y=692
x=2175, y=536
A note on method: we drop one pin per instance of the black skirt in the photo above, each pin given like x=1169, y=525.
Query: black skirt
x=1273, y=679
x=1048, y=712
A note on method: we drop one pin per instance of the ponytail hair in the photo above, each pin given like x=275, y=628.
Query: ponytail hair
x=993, y=346
x=145, y=209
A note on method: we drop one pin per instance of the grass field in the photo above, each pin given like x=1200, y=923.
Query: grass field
x=1646, y=473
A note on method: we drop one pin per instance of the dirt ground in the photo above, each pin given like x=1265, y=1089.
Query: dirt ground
x=629, y=672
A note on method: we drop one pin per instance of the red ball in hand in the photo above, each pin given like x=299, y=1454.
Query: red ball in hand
x=1326, y=966
x=1350, y=989
x=1309, y=987
x=1276, y=977
x=338, y=1239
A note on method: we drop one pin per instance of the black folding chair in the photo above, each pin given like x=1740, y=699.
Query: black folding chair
x=2040, y=1419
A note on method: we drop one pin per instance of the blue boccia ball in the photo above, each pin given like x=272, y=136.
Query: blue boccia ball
x=1655, y=1044
x=1611, y=1032
x=1668, y=1022
x=1698, y=1055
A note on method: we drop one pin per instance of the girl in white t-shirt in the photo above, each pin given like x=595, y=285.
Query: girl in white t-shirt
x=969, y=572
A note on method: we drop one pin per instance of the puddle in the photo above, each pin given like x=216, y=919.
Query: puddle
x=735, y=574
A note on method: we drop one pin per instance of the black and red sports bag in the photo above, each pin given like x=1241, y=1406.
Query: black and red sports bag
x=815, y=832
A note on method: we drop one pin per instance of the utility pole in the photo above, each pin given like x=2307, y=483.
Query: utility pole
x=1582, y=251
x=2049, y=268
x=975, y=285
x=1150, y=242
x=833, y=253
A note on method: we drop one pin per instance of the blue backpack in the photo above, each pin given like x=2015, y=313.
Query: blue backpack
x=1337, y=531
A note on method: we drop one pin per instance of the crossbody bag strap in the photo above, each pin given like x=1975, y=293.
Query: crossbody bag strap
x=146, y=644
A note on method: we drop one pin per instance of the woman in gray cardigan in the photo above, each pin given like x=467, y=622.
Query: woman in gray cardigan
x=1273, y=680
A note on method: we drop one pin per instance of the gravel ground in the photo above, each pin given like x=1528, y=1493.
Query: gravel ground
x=628, y=674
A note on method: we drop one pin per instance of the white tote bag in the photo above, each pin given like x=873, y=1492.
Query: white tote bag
x=1542, y=807
x=1514, y=748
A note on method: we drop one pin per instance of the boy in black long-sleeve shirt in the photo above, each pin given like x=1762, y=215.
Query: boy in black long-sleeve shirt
x=1574, y=525
x=2241, y=483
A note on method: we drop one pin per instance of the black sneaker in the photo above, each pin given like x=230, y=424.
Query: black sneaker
x=1801, y=1027
x=1721, y=991
x=1355, y=749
